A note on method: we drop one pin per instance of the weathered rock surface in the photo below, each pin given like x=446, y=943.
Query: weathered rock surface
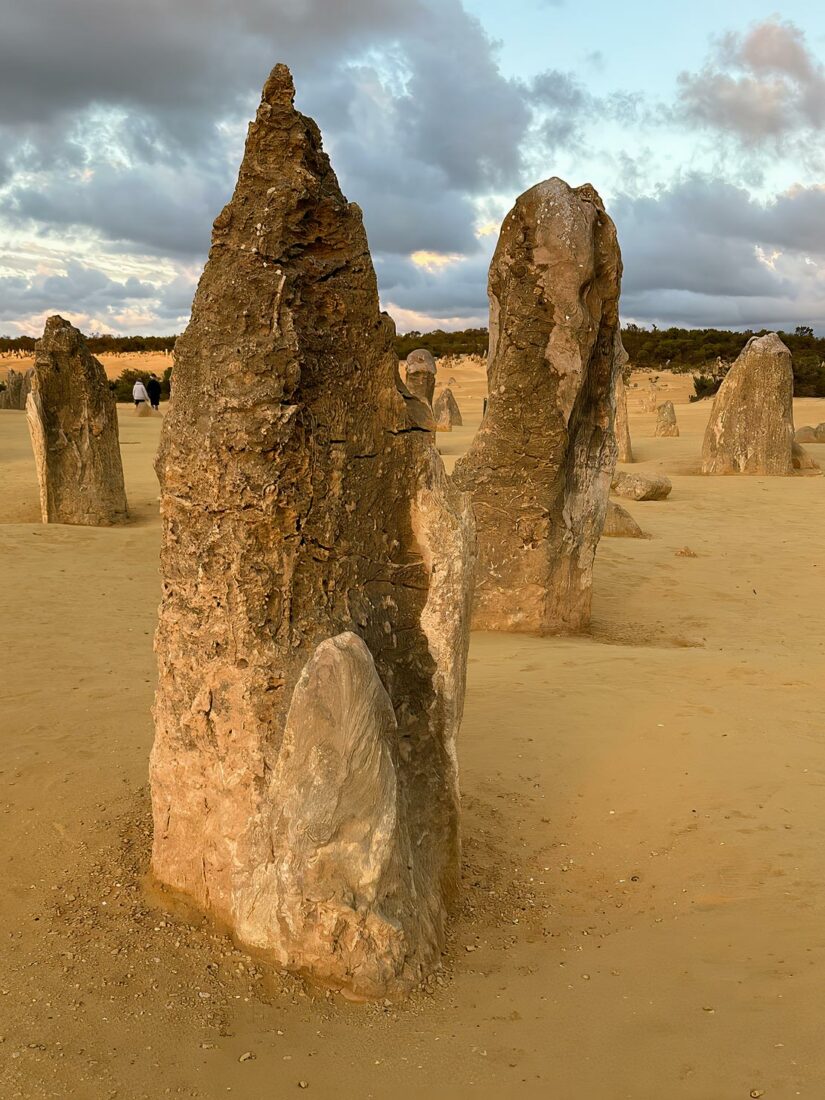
x=316, y=566
x=619, y=524
x=622, y=425
x=666, y=425
x=652, y=396
x=72, y=419
x=801, y=459
x=750, y=430
x=420, y=374
x=18, y=388
x=639, y=486
x=806, y=434
x=539, y=468
x=446, y=412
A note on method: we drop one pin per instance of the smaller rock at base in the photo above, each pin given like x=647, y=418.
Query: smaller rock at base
x=638, y=486
x=801, y=459
x=805, y=435
x=619, y=524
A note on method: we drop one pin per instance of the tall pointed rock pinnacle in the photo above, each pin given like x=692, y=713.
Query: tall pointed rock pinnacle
x=316, y=568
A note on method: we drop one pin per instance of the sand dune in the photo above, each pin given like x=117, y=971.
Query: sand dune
x=643, y=832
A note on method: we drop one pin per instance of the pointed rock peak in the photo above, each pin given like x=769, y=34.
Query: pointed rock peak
x=279, y=89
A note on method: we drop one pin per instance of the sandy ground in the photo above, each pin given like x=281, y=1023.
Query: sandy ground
x=644, y=828
x=114, y=365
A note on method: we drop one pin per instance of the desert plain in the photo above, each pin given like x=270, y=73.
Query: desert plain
x=643, y=833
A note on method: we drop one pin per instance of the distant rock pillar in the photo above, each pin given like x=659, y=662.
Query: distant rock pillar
x=622, y=426
x=540, y=466
x=666, y=420
x=73, y=425
x=420, y=374
x=750, y=430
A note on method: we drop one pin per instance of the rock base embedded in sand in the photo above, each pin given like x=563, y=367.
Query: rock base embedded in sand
x=619, y=524
x=446, y=412
x=801, y=459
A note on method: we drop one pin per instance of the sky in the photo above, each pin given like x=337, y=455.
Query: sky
x=701, y=125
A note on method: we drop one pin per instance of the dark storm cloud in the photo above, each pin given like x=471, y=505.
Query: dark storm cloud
x=186, y=62
x=765, y=85
x=706, y=253
x=116, y=106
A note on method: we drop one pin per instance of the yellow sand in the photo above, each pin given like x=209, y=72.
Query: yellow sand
x=644, y=825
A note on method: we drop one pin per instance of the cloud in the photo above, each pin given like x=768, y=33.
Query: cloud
x=133, y=126
x=89, y=297
x=705, y=252
x=765, y=85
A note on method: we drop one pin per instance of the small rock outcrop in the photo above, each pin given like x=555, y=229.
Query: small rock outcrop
x=420, y=374
x=801, y=459
x=666, y=425
x=539, y=467
x=639, y=486
x=316, y=565
x=619, y=524
x=72, y=419
x=750, y=430
x=808, y=434
x=446, y=412
x=18, y=388
x=622, y=426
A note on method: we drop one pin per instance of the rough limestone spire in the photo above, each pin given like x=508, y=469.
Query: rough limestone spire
x=539, y=468
x=750, y=430
x=316, y=570
x=72, y=418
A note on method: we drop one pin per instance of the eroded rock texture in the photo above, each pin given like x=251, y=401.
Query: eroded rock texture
x=539, y=468
x=420, y=374
x=622, y=425
x=800, y=458
x=807, y=434
x=316, y=565
x=72, y=419
x=619, y=524
x=639, y=486
x=666, y=425
x=750, y=430
x=446, y=412
x=18, y=388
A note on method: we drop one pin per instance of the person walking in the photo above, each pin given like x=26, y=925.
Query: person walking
x=153, y=389
x=139, y=394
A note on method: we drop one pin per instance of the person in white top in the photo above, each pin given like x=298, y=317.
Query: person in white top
x=139, y=394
